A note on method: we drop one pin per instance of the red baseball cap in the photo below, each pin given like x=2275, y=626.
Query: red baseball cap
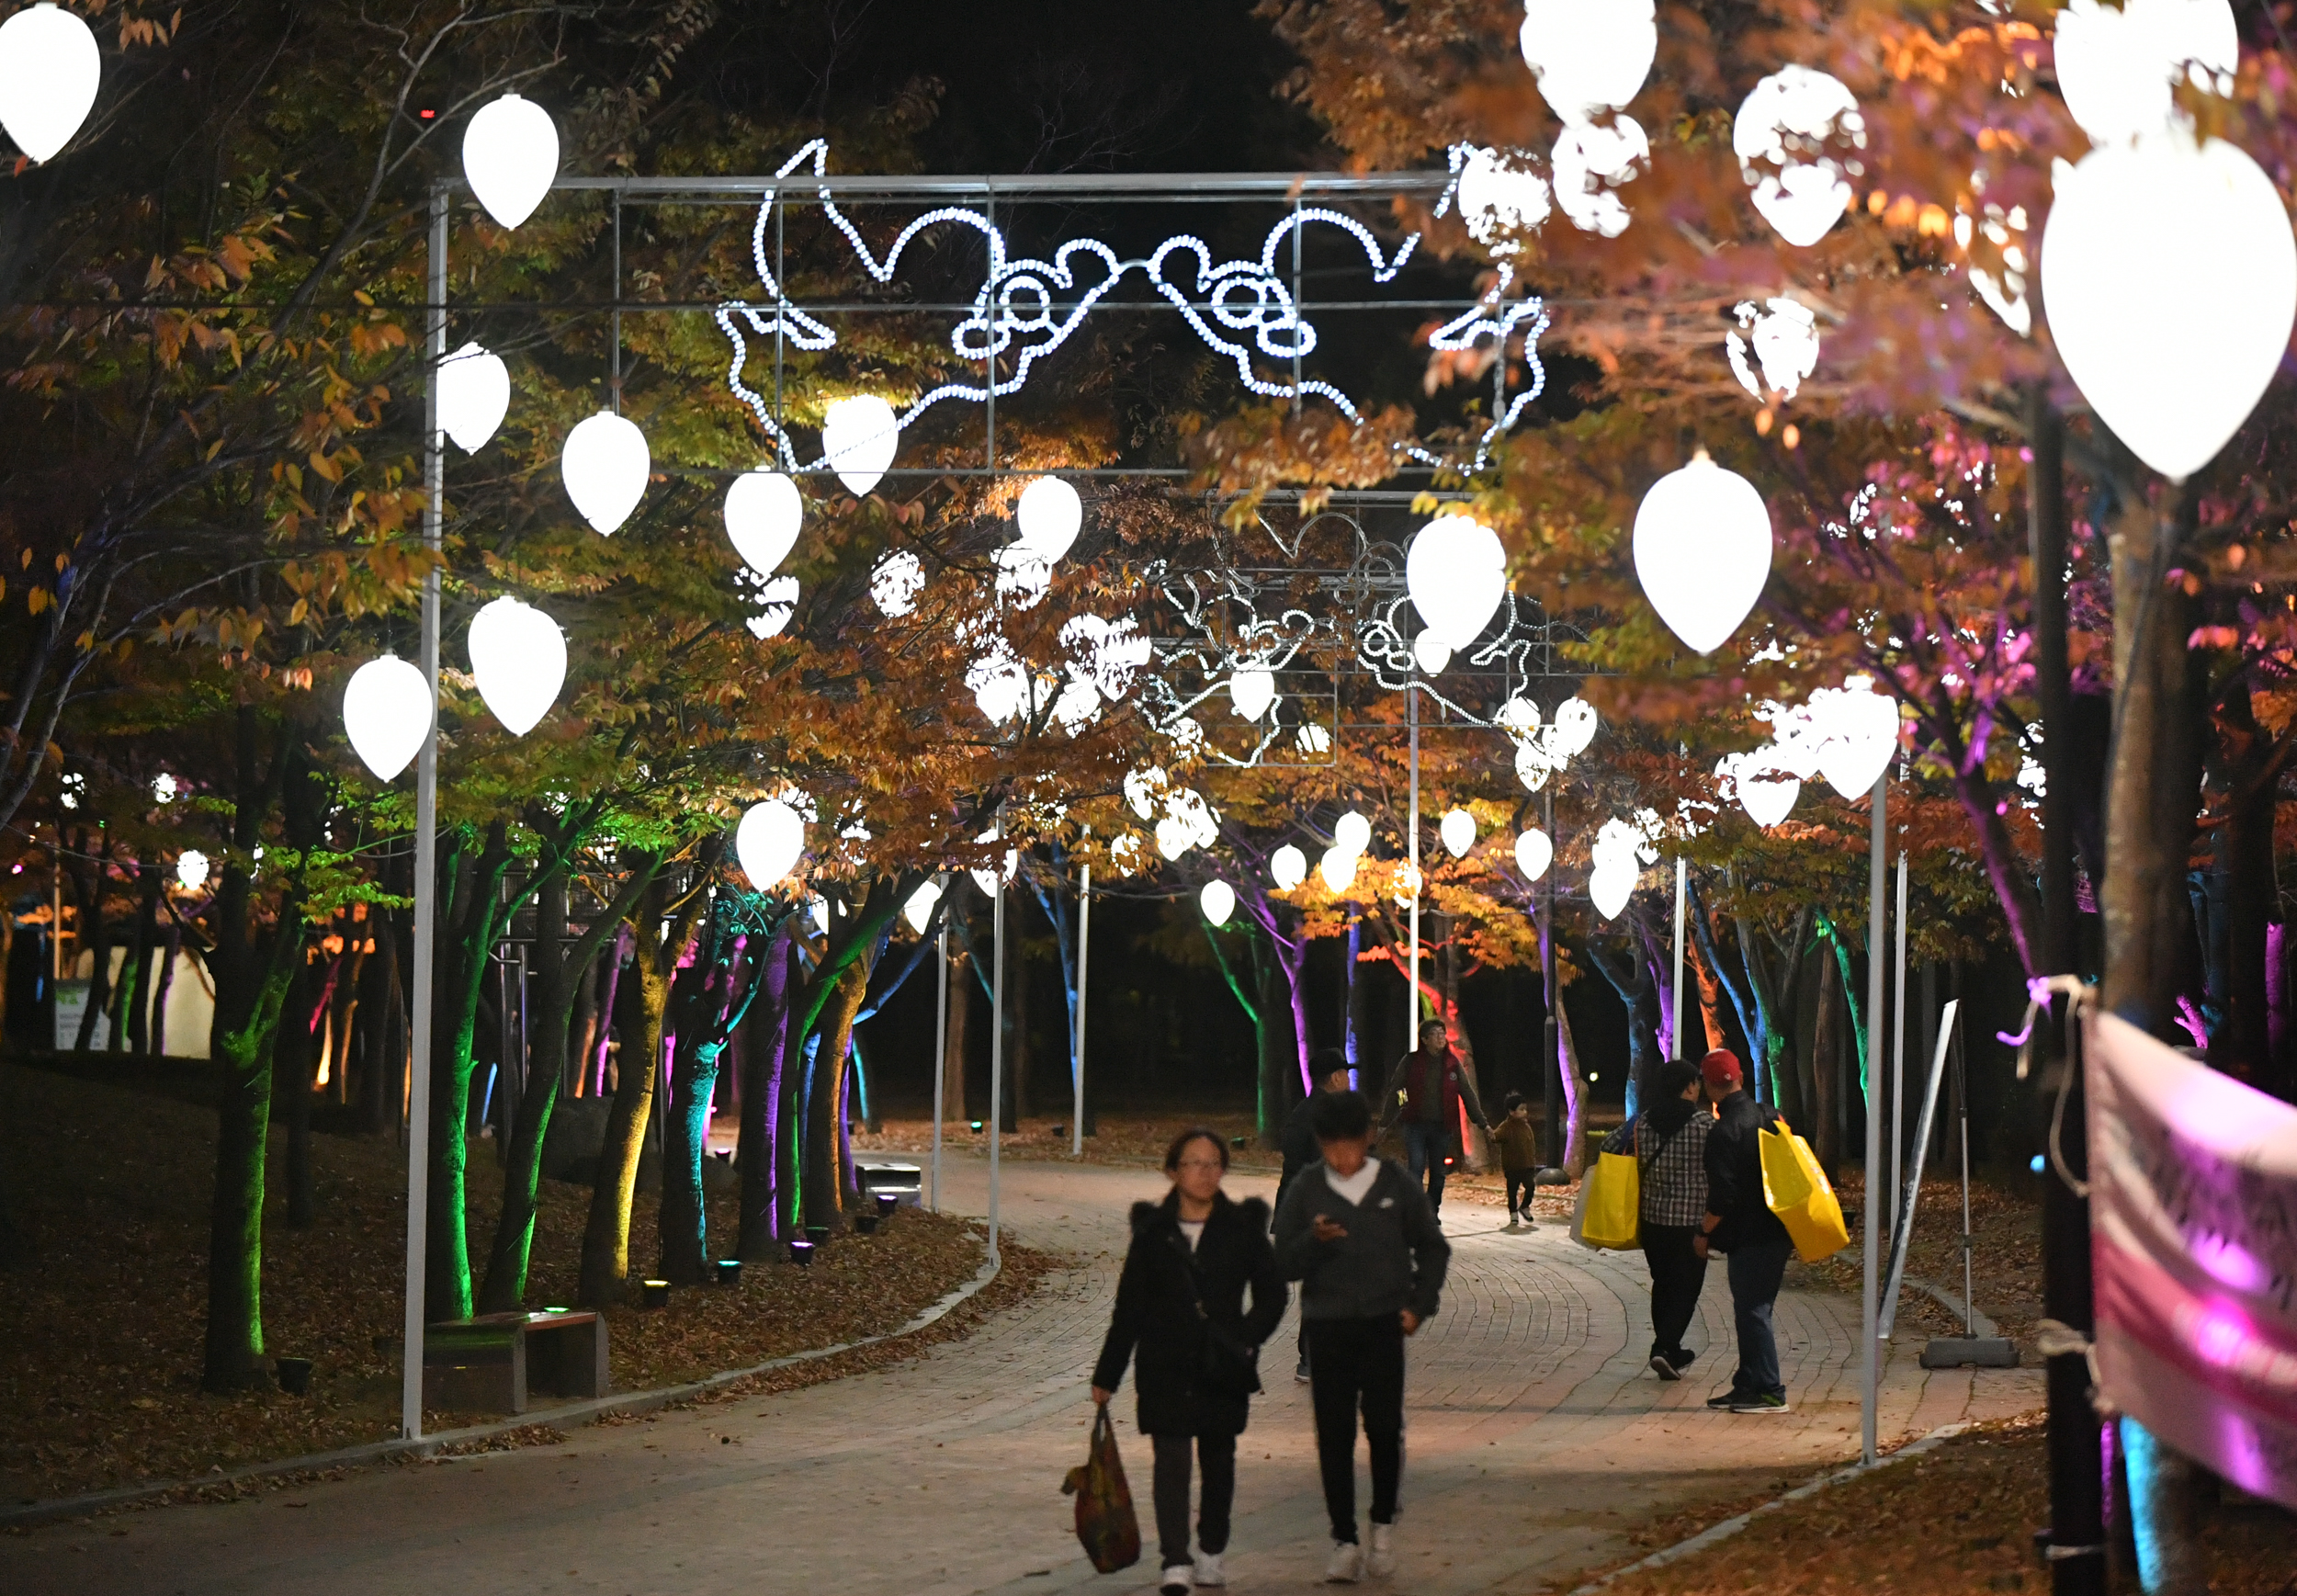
x=1720, y=1069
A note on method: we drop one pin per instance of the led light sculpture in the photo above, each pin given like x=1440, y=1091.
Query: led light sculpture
x=510, y=156
x=1289, y=866
x=1782, y=127
x=1217, y=901
x=1764, y=790
x=1590, y=162
x=1859, y=732
x=606, y=465
x=474, y=394
x=768, y=841
x=859, y=434
x=1703, y=552
x=518, y=657
x=386, y=714
x=1431, y=653
x=49, y=72
x=763, y=516
x=1784, y=335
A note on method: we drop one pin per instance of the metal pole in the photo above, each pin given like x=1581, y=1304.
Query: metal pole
x=940, y=1051
x=996, y=1048
x=1898, y=1052
x=426, y=860
x=1411, y=703
x=1870, y=1300
x=1551, y=1040
x=1084, y=950
x=1682, y=873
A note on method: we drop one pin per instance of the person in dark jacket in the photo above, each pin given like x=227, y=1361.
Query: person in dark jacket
x=1359, y=1237
x=1426, y=1091
x=1181, y=1320
x=1668, y=1140
x=1739, y=1222
x=1298, y=1144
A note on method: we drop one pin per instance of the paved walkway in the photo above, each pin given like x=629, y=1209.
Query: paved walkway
x=1538, y=1443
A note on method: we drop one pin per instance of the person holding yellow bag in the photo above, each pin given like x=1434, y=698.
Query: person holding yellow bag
x=1738, y=1222
x=1668, y=1140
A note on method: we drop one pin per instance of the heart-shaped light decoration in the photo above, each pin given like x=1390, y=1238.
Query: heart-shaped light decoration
x=2194, y=239
x=768, y=841
x=859, y=434
x=510, y=155
x=1289, y=866
x=1861, y=732
x=1587, y=53
x=1784, y=123
x=1589, y=164
x=1217, y=901
x=606, y=465
x=1252, y=690
x=1458, y=830
x=1353, y=833
x=518, y=656
x=1765, y=792
x=474, y=394
x=919, y=910
x=1456, y=572
x=763, y=515
x=999, y=684
x=1534, y=764
x=1610, y=885
x=1533, y=854
x=1050, y=515
x=1339, y=868
x=386, y=714
x=1703, y=552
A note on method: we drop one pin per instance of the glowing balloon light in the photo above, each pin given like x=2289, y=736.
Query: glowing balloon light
x=1456, y=572
x=1497, y=198
x=1610, y=886
x=1533, y=854
x=1767, y=794
x=1050, y=515
x=474, y=394
x=1587, y=53
x=49, y=72
x=1409, y=882
x=2193, y=242
x=763, y=515
x=1217, y=901
x=768, y=841
x=2116, y=67
x=1795, y=111
x=896, y=582
x=386, y=714
x=1575, y=727
x=1703, y=552
x=1252, y=690
x=1589, y=164
x=518, y=656
x=1352, y=832
x=1339, y=868
x=192, y=870
x=1860, y=732
x=919, y=910
x=859, y=434
x=1431, y=653
x=510, y=155
x=1289, y=866
x=1458, y=830
x=605, y=464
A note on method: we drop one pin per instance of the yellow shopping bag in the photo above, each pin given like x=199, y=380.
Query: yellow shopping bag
x=1796, y=1190
x=1610, y=1202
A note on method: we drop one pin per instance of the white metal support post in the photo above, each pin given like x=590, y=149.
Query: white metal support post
x=1682, y=876
x=1411, y=708
x=941, y=1048
x=996, y=1122
x=1898, y=1054
x=1077, y=1064
x=425, y=860
x=1870, y=1300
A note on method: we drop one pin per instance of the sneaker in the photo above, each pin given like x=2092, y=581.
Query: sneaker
x=1208, y=1570
x=1380, y=1560
x=1759, y=1402
x=1300, y=1372
x=1663, y=1369
x=1727, y=1399
x=1346, y=1565
x=1177, y=1579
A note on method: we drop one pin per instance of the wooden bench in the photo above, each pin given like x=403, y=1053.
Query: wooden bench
x=490, y=1365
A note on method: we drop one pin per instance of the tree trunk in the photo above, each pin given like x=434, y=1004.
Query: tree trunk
x=1017, y=1025
x=504, y=1288
x=165, y=982
x=823, y=1185
x=953, y=1103
x=467, y=934
x=382, y=1071
x=606, y=1237
x=1575, y=1151
x=1826, y=1058
x=136, y=1004
x=763, y=1053
x=704, y=1002
x=295, y=1057
x=96, y=935
x=2243, y=867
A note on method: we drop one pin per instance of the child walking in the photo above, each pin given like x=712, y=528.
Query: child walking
x=1518, y=1156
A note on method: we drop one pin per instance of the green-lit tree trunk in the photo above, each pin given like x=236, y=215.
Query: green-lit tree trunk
x=764, y=1060
x=468, y=930
x=711, y=1005
x=136, y=1005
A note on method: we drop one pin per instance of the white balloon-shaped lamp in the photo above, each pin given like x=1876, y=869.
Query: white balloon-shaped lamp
x=1794, y=110
x=1217, y=901
x=510, y=155
x=896, y=580
x=1339, y=868
x=474, y=394
x=1252, y=690
x=1766, y=793
x=1533, y=854
x=919, y=910
x=605, y=464
x=768, y=841
x=1353, y=832
x=386, y=714
x=859, y=434
x=1610, y=885
x=1458, y=830
x=1289, y=866
x=1575, y=724
x=1587, y=53
x=1703, y=552
x=1860, y=728
x=2194, y=241
x=2116, y=67
x=518, y=657
x=1456, y=572
x=192, y=870
x=1050, y=515
x=49, y=72
x=763, y=515
x=1431, y=653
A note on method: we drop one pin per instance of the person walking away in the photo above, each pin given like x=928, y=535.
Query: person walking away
x=1669, y=1141
x=1738, y=1222
x=1179, y=1318
x=1518, y=1156
x=1361, y=1240
x=1425, y=1091
x=1298, y=1145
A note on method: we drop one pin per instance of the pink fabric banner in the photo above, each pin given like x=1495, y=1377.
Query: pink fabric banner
x=2193, y=1233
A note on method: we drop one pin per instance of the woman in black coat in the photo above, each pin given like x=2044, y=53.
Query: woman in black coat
x=1181, y=1320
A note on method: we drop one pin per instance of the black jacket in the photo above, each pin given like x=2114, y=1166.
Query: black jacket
x=1156, y=1324
x=1298, y=1145
x=1393, y=1257
x=1735, y=1175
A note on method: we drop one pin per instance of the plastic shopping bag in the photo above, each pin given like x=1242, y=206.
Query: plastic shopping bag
x=1610, y=1202
x=1106, y=1524
x=1796, y=1190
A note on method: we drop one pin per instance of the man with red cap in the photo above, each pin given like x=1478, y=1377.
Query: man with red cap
x=1738, y=1221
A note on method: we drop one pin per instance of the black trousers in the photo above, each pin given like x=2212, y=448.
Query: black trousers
x=1358, y=1362
x=1519, y=1192
x=1216, y=1456
x=1677, y=1274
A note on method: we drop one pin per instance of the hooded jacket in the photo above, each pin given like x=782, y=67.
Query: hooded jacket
x=1157, y=1326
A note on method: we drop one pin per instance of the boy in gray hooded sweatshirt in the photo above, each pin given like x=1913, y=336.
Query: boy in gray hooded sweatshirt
x=1357, y=1233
